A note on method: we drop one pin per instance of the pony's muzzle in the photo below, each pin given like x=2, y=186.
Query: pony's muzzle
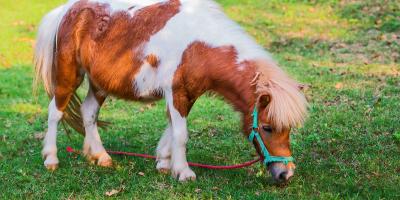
x=280, y=172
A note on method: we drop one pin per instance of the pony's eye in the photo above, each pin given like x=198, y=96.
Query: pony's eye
x=267, y=129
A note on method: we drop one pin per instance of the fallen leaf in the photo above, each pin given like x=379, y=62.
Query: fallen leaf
x=150, y=105
x=3, y=61
x=31, y=27
x=18, y=23
x=7, y=124
x=215, y=188
x=162, y=186
x=25, y=39
x=339, y=86
x=395, y=71
x=376, y=174
x=383, y=38
x=70, y=197
x=32, y=119
x=39, y=136
x=112, y=192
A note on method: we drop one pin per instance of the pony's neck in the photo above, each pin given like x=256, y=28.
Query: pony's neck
x=238, y=90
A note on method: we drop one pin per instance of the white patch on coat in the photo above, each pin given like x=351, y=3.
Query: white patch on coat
x=179, y=137
x=145, y=79
x=49, y=151
x=89, y=109
x=164, y=150
x=197, y=20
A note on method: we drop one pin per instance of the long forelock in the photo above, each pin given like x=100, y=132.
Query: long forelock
x=288, y=106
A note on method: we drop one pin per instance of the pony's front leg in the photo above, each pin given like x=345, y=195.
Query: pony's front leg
x=49, y=151
x=93, y=148
x=179, y=137
x=164, y=150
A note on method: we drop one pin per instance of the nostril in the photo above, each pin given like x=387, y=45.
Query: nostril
x=283, y=176
x=280, y=173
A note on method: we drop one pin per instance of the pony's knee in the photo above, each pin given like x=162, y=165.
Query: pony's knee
x=89, y=109
x=88, y=114
x=180, y=137
x=165, y=138
x=179, y=130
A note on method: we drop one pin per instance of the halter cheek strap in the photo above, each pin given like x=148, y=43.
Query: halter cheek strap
x=267, y=157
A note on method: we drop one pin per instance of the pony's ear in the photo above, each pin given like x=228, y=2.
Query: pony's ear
x=263, y=101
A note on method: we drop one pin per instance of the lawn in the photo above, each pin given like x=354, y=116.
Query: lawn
x=349, y=148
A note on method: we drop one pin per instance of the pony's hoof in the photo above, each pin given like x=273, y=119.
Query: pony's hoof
x=105, y=161
x=164, y=171
x=187, y=175
x=51, y=162
x=90, y=159
x=52, y=167
x=184, y=175
x=163, y=166
x=101, y=159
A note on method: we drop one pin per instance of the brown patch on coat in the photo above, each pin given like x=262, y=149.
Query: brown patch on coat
x=152, y=60
x=205, y=68
x=109, y=47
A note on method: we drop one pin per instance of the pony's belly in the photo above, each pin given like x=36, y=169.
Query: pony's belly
x=130, y=93
x=125, y=86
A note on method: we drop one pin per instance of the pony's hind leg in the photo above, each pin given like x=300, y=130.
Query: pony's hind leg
x=68, y=78
x=49, y=151
x=93, y=148
x=63, y=92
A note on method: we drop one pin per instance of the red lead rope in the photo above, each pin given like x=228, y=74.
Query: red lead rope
x=216, y=167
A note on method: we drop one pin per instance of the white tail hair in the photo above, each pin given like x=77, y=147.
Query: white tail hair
x=288, y=106
x=46, y=46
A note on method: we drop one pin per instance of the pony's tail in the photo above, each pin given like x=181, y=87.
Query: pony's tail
x=44, y=59
x=45, y=48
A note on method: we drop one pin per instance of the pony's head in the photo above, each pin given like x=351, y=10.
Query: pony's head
x=279, y=107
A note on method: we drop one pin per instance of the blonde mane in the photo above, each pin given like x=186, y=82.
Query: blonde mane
x=288, y=106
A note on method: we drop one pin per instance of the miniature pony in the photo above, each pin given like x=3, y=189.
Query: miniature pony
x=145, y=50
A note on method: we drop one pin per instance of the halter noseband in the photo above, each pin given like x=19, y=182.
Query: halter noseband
x=267, y=157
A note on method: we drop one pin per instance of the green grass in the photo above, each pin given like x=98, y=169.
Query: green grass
x=349, y=147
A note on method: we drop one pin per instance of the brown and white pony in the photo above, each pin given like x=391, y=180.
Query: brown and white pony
x=145, y=50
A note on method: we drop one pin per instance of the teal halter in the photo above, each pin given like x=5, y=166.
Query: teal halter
x=267, y=157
